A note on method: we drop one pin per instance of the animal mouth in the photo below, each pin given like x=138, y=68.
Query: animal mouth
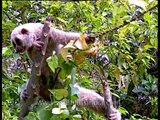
x=21, y=50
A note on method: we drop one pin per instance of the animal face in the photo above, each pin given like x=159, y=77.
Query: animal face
x=21, y=39
x=18, y=45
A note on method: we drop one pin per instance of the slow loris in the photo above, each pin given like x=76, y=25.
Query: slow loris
x=27, y=38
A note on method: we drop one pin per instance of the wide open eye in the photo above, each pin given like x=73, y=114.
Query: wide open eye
x=14, y=45
x=18, y=41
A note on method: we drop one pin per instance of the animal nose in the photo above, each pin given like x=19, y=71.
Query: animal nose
x=19, y=49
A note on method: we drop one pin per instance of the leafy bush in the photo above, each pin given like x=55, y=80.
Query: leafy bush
x=131, y=50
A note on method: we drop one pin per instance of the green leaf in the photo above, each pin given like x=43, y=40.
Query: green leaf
x=146, y=47
x=59, y=93
x=53, y=62
x=5, y=51
x=141, y=37
x=60, y=19
x=31, y=116
x=73, y=75
x=65, y=113
x=44, y=114
x=117, y=73
x=138, y=89
x=134, y=77
x=126, y=17
x=133, y=26
x=154, y=42
x=67, y=82
x=86, y=80
x=66, y=69
x=149, y=57
x=147, y=17
x=123, y=110
x=4, y=4
x=61, y=60
x=116, y=95
x=126, y=45
x=145, y=62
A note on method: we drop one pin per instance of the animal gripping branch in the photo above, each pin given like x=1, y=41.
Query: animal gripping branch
x=111, y=113
x=33, y=85
x=44, y=38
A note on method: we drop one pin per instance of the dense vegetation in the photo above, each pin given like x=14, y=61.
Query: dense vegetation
x=127, y=38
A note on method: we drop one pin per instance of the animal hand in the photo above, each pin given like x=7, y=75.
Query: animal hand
x=90, y=38
x=38, y=44
x=115, y=116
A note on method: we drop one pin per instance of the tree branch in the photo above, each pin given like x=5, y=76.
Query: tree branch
x=33, y=85
x=44, y=39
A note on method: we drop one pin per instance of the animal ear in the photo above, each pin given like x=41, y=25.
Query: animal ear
x=24, y=31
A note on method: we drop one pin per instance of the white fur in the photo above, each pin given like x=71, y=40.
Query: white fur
x=36, y=28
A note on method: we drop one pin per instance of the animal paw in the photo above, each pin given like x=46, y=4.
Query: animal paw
x=90, y=38
x=38, y=44
x=115, y=116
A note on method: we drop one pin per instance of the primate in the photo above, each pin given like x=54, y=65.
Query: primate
x=27, y=37
x=94, y=102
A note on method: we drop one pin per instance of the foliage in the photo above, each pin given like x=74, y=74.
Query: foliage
x=131, y=51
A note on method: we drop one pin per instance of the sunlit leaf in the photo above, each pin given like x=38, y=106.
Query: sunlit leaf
x=5, y=50
x=62, y=105
x=92, y=51
x=62, y=20
x=79, y=57
x=79, y=117
x=4, y=4
x=81, y=43
x=57, y=111
x=117, y=73
x=140, y=3
x=64, y=53
x=152, y=41
x=147, y=17
x=126, y=17
x=146, y=47
x=70, y=44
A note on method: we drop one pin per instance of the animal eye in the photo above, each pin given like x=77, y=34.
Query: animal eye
x=14, y=45
x=18, y=41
